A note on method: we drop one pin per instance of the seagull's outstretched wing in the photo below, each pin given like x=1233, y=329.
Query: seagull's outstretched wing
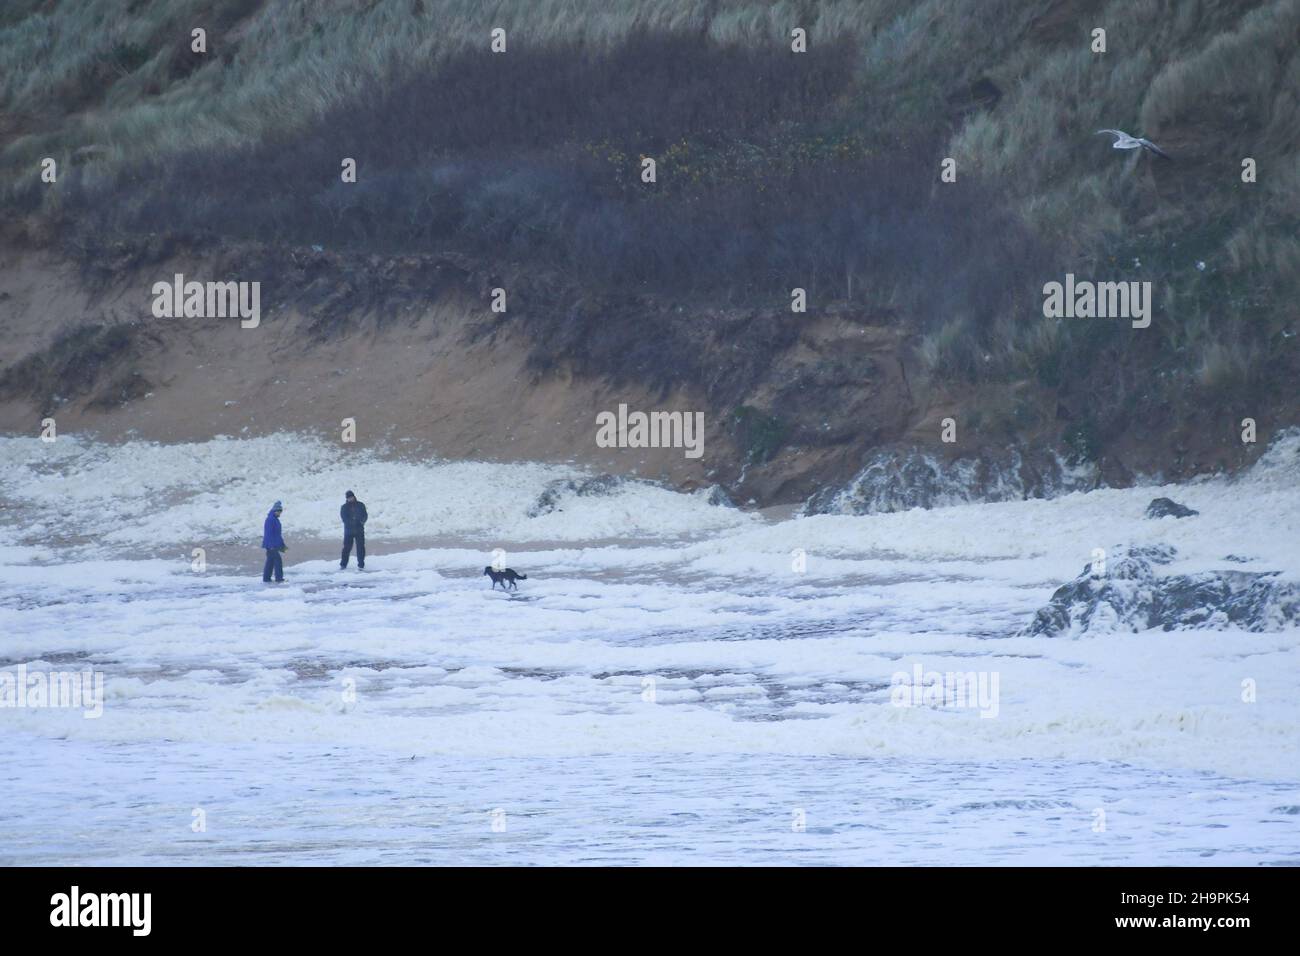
x=1113, y=132
x=1147, y=144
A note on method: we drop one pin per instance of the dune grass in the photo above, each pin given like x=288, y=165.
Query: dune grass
x=775, y=170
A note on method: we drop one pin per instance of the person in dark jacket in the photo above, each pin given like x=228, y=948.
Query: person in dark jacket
x=354, y=517
x=273, y=542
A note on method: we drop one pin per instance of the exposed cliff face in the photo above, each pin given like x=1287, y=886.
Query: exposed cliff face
x=410, y=349
x=829, y=409
x=416, y=368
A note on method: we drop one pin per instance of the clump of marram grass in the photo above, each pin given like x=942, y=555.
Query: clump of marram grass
x=1257, y=249
x=1041, y=351
x=292, y=60
x=1228, y=367
x=53, y=58
x=952, y=352
x=1242, y=66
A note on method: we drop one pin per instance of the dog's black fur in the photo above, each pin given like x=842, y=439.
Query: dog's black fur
x=509, y=575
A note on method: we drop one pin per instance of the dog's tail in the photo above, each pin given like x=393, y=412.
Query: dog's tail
x=522, y=577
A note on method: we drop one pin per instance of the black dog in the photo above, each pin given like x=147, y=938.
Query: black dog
x=509, y=575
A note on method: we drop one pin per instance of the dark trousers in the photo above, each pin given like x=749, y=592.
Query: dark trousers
x=273, y=563
x=360, y=538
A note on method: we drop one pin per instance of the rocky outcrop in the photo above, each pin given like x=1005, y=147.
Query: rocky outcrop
x=1130, y=592
x=900, y=479
x=717, y=496
x=1168, y=508
x=557, y=492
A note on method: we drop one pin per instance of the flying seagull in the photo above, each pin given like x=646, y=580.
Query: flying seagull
x=1124, y=141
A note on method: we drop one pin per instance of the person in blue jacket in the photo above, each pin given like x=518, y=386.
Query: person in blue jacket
x=273, y=542
x=354, y=517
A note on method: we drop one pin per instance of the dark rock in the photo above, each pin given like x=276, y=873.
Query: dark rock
x=718, y=497
x=599, y=486
x=1130, y=594
x=905, y=478
x=1168, y=508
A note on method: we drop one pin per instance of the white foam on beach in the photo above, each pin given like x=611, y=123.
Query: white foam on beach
x=743, y=654
x=148, y=494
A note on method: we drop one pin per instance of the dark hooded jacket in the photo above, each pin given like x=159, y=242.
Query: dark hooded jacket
x=354, y=517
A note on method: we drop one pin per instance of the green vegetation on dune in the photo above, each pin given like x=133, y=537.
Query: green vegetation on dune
x=775, y=169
